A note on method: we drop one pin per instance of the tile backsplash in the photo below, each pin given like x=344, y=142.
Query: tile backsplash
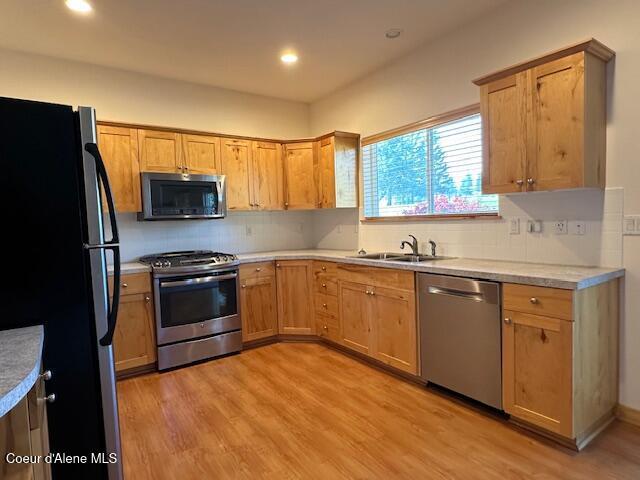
x=600, y=211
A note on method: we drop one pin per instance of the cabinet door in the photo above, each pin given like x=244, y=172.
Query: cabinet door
x=236, y=159
x=119, y=150
x=267, y=176
x=326, y=173
x=355, y=314
x=537, y=370
x=134, y=342
x=295, y=298
x=201, y=154
x=258, y=304
x=503, y=113
x=300, y=176
x=393, y=320
x=555, y=159
x=160, y=151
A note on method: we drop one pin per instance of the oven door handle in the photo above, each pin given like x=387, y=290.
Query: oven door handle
x=198, y=281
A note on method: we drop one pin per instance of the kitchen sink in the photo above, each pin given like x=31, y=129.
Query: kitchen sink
x=417, y=258
x=379, y=256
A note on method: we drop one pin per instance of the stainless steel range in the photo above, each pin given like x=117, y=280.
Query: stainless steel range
x=197, y=305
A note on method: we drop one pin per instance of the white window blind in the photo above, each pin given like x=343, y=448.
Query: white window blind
x=432, y=171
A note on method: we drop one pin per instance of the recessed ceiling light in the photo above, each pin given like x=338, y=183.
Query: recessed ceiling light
x=80, y=6
x=393, y=33
x=289, y=58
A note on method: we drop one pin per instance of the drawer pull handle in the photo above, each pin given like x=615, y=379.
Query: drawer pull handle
x=258, y=269
x=125, y=285
x=533, y=300
x=519, y=182
x=50, y=398
x=147, y=299
x=278, y=265
x=46, y=375
x=507, y=321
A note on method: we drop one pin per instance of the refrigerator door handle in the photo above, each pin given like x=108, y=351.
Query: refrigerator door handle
x=113, y=245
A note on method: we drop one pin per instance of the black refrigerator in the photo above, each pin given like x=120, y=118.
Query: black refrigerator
x=53, y=185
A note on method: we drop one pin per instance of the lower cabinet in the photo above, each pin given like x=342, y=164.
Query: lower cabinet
x=295, y=297
x=560, y=357
x=379, y=321
x=134, y=341
x=258, y=301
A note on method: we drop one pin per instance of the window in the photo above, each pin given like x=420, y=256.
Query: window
x=432, y=170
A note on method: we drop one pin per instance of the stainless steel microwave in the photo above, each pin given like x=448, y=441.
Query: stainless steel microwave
x=171, y=196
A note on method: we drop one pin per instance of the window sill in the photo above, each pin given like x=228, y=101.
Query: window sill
x=422, y=218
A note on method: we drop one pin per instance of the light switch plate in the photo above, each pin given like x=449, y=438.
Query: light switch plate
x=631, y=225
x=514, y=226
x=560, y=227
x=534, y=226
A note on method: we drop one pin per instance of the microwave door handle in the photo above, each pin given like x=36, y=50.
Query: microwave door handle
x=113, y=245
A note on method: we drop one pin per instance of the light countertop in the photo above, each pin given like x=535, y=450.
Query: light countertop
x=557, y=276
x=20, y=358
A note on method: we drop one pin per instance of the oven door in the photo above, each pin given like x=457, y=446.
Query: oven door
x=196, y=306
x=169, y=196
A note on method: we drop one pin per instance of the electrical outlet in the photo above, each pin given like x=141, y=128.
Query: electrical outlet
x=514, y=226
x=630, y=224
x=577, y=228
x=560, y=227
x=534, y=226
x=248, y=231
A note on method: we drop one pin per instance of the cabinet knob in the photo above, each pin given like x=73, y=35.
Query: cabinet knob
x=324, y=327
x=533, y=300
x=147, y=299
x=519, y=182
x=46, y=375
x=507, y=320
x=278, y=265
x=324, y=305
x=125, y=285
x=258, y=269
x=324, y=269
x=244, y=286
x=367, y=292
x=530, y=181
x=286, y=204
x=50, y=398
x=324, y=285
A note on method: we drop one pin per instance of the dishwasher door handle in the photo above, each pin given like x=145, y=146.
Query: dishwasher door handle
x=476, y=297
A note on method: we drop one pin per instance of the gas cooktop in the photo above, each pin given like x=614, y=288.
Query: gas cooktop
x=188, y=260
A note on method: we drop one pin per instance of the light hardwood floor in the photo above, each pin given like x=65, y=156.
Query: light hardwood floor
x=294, y=410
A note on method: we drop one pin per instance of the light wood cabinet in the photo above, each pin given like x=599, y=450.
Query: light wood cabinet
x=338, y=171
x=377, y=320
x=267, y=174
x=544, y=122
x=134, y=340
x=236, y=165
x=300, y=176
x=160, y=151
x=295, y=298
x=258, y=299
x=119, y=150
x=201, y=154
x=325, y=287
x=560, y=371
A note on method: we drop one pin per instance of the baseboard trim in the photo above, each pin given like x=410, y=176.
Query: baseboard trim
x=135, y=371
x=628, y=415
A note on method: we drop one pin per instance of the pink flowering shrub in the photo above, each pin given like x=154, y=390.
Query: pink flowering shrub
x=444, y=204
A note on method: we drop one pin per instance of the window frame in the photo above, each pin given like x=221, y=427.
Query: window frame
x=427, y=123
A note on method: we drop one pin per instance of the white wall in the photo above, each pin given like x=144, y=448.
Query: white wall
x=136, y=98
x=437, y=78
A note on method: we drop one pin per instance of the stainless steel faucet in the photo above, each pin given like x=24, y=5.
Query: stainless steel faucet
x=433, y=247
x=413, y=244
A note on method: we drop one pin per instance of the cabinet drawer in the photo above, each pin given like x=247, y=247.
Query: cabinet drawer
x=379, y=277
x=325, y=285
x=550, y=302
x=132, y=284
x=326, y=304
x=328, y=327
x=325, y=268
x=257, y=270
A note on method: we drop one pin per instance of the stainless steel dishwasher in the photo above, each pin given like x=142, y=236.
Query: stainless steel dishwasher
x=460, y=336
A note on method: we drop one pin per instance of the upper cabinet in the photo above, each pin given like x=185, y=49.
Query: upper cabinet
x=300, y=173
x=236, y=165
x=160, y=151
x=544, y=122
x=201, y=154
x=338, y=171
x=268, y=176
x=119, y=150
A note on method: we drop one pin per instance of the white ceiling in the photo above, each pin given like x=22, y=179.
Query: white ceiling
x=236, y=44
